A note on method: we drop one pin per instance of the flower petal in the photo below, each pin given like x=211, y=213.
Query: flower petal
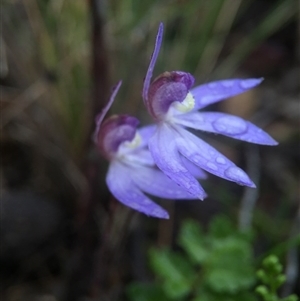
x=140, y=156
x=146, y=133
x=154, y=56
x=114, y=132
x=225, y=124
x=122, y=187
x=209, y=159
x=155, y=182
x=161, y=101
x=165, y=154
x=195, y=170
x=210, y=93
x=166, y=89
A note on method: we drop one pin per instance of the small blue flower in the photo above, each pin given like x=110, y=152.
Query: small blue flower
x=174, y=104
x=132, y=171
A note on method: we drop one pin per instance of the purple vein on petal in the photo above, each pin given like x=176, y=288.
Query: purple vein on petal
x=100, y=117
x=154, y=56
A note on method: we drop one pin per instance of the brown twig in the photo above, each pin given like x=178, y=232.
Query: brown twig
x=81, y=267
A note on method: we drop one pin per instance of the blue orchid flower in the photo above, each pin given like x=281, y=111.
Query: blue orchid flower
x=132, y=170
x=174, y=104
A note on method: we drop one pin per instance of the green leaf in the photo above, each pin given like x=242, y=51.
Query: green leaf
x=221, y=226
x=230, y=268
x=192, y=241
x=271, y=276
x=146, y=292
x=206, y=295
x=283, y=12
x=175, y=270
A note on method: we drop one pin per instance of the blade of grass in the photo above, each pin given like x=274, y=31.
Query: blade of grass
x=217, y=38
x=283, y=13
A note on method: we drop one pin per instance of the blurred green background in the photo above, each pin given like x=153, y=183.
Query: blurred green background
x=63, y=236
